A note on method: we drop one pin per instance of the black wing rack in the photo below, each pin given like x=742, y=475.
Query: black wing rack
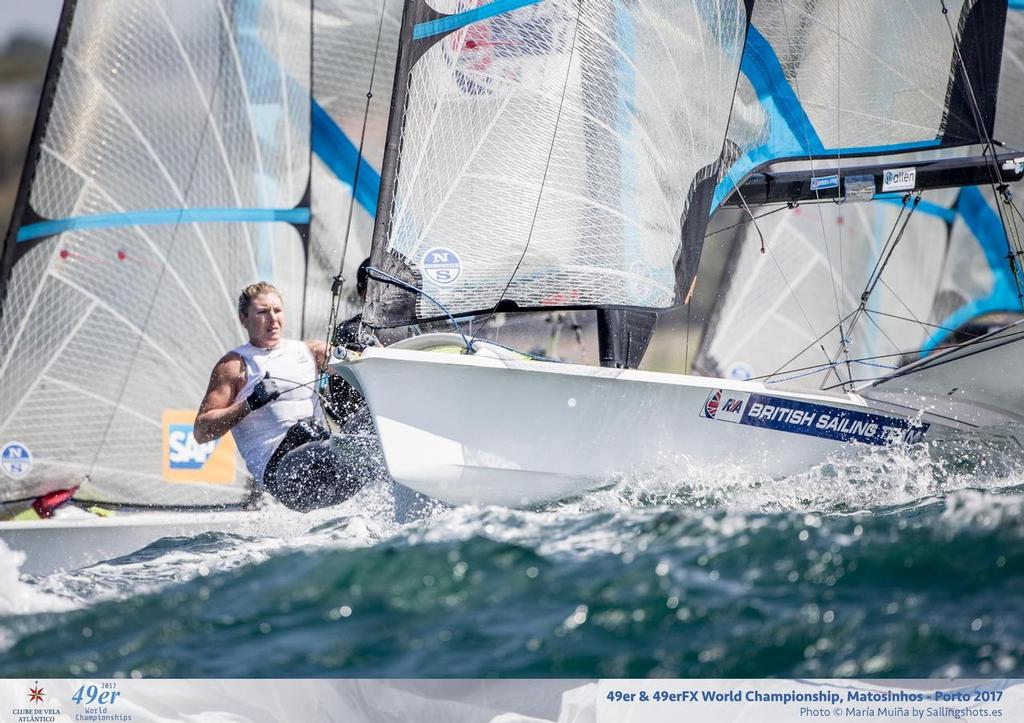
x=864, y=183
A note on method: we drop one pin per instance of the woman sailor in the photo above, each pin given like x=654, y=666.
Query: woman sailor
x=263, y=392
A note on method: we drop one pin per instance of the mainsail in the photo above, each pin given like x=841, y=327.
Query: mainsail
x=552, y=154
x=181, y=152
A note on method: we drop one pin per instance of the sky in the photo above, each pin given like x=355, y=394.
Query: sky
x=36, y=16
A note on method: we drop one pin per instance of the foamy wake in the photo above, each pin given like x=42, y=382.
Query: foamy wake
x=365, y=520
x=18, y=597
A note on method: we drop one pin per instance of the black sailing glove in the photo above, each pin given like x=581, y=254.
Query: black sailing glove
x=266, y=391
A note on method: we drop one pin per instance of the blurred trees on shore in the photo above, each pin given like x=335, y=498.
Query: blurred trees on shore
x=22, y=68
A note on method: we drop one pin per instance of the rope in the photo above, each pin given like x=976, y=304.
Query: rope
x=384, y=276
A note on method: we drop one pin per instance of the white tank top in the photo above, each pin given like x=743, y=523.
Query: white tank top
x=259, y=432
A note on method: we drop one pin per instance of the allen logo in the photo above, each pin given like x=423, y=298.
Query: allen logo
x=186, y=460
x=899, y=179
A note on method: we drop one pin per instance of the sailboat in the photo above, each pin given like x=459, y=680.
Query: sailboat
x=569, y=155
x=180, y=152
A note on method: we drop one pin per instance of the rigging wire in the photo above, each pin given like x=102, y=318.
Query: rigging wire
x=1007, y=196
x=910, y=311
x=810, y=159
x=544, y=176
x=790, y=205
x=882, y=331
x=817, y=368
x=336, y=287
x=915, y=320
x=815, y=341
x=882, y=261
x=843, y=335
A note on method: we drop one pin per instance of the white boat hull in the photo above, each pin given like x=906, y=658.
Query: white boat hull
x=472, y=429
x=70, y=543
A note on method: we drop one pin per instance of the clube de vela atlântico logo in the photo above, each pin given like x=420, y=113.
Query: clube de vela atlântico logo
x=35, y=709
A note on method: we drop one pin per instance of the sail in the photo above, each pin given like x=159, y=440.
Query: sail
x=355, y=47
x=794, y=313
x=171, y=166
x=790, y=314
x=830, y=79
x=552, y=154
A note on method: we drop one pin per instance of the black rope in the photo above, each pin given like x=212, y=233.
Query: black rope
x=887, y=251
x=873, y=282
x=376, y=273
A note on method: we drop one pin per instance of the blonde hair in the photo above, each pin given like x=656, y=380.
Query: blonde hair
x=251, y=291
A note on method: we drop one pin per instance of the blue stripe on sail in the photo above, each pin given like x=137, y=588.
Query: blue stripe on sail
x=790, y=132
x=467, y=17
x=338, y=152
x=1016, y=4
x=163, y=216
x=987, y=229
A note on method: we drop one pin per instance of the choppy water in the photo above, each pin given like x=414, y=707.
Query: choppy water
x=900, y=565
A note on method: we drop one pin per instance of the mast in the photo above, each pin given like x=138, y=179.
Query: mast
x=22, y=211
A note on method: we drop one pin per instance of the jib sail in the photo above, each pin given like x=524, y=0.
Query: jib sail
x=552, y=153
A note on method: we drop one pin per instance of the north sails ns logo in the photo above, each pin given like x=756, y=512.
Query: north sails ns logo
x=441, y=265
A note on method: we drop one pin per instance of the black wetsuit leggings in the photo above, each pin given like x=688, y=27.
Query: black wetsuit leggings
x=305, y=473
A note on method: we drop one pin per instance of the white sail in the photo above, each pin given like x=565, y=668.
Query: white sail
x=173, y=168
x=834, y=78
x=791, y=314
x=555, y=148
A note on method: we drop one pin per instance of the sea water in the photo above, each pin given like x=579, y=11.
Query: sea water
x=900, y=563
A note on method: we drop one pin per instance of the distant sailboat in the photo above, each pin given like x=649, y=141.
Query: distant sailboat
x=180, y=153
x=567, y=155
